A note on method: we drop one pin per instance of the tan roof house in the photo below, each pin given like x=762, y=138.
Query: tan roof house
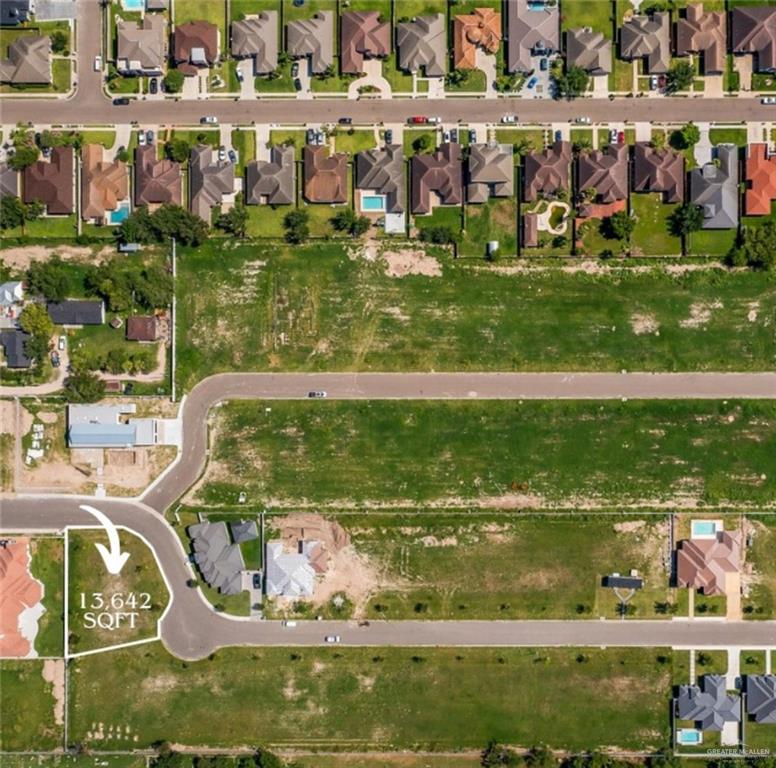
x=141, y=47
x=422, y=45
x=590, y=50
x=312, y=37
x=534, y=30
x=648, y=38
x=195, y=46
x=606, y=172
x=546, y=173
x=51, y=182
x=257, y=37
x=156, y=181
x=273, y=181
x=490, y=172
x=103, y=184
x=479, y=29
x=325, y=176
x=362, y=36
x=703, y=32
x=28, y=62
x=211, y=181
x=658, y=170
x=707, y=564
x=436, y=178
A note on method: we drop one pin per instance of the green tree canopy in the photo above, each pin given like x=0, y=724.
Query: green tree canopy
x=35, y=320
x=686, y=219
x=84, y=387
x=12, y=213
x=48, y=279
x=23, y=157
x=297, y=226
x=234, y=221
x=173, y=81
x=680, y=77
x=572, y=83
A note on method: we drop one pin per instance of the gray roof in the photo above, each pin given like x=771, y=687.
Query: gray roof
x=714, y=188
x=220, y=562
x=77, y=312
x=648, y=37
x=257, y=36
x=13, y=342
x=422, y=44
x=382, y=170
x=141, y=47
x=29, y=61
x=530, y=30
x=708, y=704
x=209, y=181
x=288, y=574
x=9, y=181
x=102, y=426
x=244, y=530
x=590, y=50
x=156, y=5
x=761, y=698
x=490, y=172
x=14, y=12
x=314, y=38
x=11, y=292
x=274, y=181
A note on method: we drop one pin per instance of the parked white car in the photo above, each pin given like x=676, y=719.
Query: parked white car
x=768, y=100
x=509, y=119
x=98, y=63
x=141, y=138
x=209, y=120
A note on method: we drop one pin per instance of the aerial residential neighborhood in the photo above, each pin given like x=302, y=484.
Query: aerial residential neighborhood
x=387, y=383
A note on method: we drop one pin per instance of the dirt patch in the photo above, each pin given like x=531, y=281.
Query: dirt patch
x=433, y=541
x=47, y=417
x=396, y=314
x=754, y=309
x=159, y=684
x=8, y=418
x=700, y=314
x=630, y=526
x=411, y=262
x=642, y=324
x=54, y=673
x=21, y=258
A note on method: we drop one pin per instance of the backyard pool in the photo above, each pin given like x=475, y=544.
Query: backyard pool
x=689, y=736
x=705, y=529
x=373, y=203
x=121, y=214
x=133, y=5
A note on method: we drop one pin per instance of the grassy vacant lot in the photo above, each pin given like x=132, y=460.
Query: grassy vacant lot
x=596, y=14
x=494, y=220
x=651, y=236
x=213, y=11
x=74, y=761
x=761, y=602
x=88, y=575
x=402, y=760
x=352, y=141
x=457, y=451
x=498, y=566
x=48, y=565
x=27, y=706
x=392, y=698
x=313, y=308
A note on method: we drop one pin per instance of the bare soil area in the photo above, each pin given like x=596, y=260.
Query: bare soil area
x=411, y=262
x=54, y=673
x=21, y=258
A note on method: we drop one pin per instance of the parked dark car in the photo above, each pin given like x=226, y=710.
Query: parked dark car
x=389, y=136
x=346, y=121
x=121, y=102
x=295, y=69
x=257, y=581
x=153, y=86
x=297, y=84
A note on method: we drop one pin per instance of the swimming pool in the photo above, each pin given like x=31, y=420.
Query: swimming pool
x=373, y=203
x=689, y=736
x=705, y=529
x=133, y=5
x=121, y=213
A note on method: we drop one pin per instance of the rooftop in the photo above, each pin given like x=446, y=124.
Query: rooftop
x=714, y=188
x=382, y=170
x=532, y=30
x=313, y=37
x=704, y=564
x=156, y=181
x=760, y=180
x=28, y=62
x=592, y=51
x=220, y=562
x=77, y=312
x=103, y=184
x=272, y=181
x=288, y=574
x=257, y=37
x=51, y=181
x=605, y=171
x=195, y=46
x=142, y=328
x=704, y=32
x=140, y=47
x=479, y=29
x=490, y=172
x=658, y=170
x=648, y=37
x=439, y=174
x=546, y=172
x=761, y=698
x=708, y=704
x=325, y=176
x=210, y=180
x=13, y=341
x=754, y=31
x=362, y=36
x=422, y=45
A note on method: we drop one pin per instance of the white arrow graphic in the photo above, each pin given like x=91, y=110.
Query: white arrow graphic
x=114, y=558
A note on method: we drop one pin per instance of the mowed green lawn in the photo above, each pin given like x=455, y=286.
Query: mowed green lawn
x=390, y=698
x=27, y=707
x=48, y=565
x=454, y=452
x=503, y=566
x=314, y=308
x=88, y=575
x=761, y=602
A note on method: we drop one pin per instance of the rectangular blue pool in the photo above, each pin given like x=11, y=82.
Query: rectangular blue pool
x=133, y=5
x=689, y=736
x=373, y=203
x=704, y=529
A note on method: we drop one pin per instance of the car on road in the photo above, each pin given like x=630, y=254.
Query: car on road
x=141, y=138
x=454, y=135
x=256, y=581
x=583, y=121
x=153, y=86
x=288, y=623
x=123, y=101
x=653, y=83
x=150, y=137
x=316, y=394
x=295, y=69
x=346, y=121
x=509, y=119
x=332, y=638
x=621, y=137
x=232, y=157
x=768, y=100
x=417, y=120
x=559, y=135
x=320, y=139
x=532, y=82
x=97, y=63
x=61, y=343
x=388, y=136
x=221, y=153
x=209, y=120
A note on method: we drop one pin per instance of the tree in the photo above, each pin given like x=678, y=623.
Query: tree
x=457, y=77
x=495, y=755
x=572, y=83
x=506, y=83
x=178, y=149
x=686, y=219
x=266, y=759
x=33, y=210
x=173, y=81
x=685, y=137
x=174, y=221
x=756, y=248
x=621, y=226
x=680, y=77
x=84, y=387
x=439, y=234
x=234, y=221
x=540, y=757
x=12, y=213
x=296, y=224
x=23, y=157
x=36, y=321
x=136, y=228
x=346, y=220
x=59, y=41
x=422, y=143
x=48, y=279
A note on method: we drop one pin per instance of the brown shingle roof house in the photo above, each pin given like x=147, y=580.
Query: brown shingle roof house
x=441, y=174
x=103, y=185
x=480, y=28
x=273, y=181
x=28, y=62
x=210, y=181
x=658, y=170
x=325, y=176
x=156, y=181
x=195, y=46
x=546, y=172
x=590, y=50
x=605, y=171
x=52, y=182
x=490, y=171
x=143, y=328
x=754, y=31
x=648, y=37
x=704, y=33
x=704, y=564
x=141, y=46
x=362, y=36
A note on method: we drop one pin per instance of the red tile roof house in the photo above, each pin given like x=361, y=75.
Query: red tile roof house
x=760, y=180
x=707, y=564
x=195, y=46
x=52, y=182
